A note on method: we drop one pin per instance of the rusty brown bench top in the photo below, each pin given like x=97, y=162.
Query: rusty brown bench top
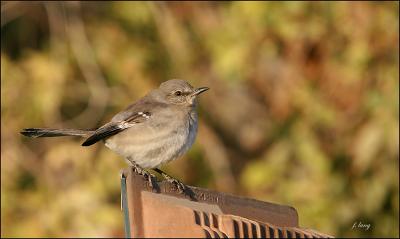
x=161, y=211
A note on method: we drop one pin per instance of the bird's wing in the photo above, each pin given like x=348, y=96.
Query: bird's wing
x=126, y=120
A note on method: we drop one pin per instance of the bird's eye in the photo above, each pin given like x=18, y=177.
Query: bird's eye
x=178, y=93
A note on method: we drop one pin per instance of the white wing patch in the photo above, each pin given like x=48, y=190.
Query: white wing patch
x=125, y=125
x=144, y=115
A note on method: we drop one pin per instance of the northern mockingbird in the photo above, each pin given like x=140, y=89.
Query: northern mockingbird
x=156, y=129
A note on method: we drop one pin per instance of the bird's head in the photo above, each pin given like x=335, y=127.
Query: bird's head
x=180, y=92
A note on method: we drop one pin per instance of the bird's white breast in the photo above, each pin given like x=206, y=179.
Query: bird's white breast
x=154, y=143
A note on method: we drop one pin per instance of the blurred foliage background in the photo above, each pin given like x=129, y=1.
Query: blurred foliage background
x=303, y=108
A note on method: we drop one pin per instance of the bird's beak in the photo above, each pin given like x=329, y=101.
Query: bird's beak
x=199, y=91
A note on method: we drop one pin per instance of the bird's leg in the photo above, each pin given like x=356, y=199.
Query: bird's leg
x=139, y=170
x=181, y=187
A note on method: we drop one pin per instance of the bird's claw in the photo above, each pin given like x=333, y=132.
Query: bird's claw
x=148, y=176
x=179, y=185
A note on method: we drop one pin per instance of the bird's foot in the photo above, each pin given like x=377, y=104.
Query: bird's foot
x=178, y=184
x=150, y=177
x=147, y=175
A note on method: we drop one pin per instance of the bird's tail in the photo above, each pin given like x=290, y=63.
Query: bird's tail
x=42, y=132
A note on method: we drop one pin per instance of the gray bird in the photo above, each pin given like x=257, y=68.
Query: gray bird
x=158, y=128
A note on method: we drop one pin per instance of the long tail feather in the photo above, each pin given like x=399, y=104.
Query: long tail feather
x=42, y=132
